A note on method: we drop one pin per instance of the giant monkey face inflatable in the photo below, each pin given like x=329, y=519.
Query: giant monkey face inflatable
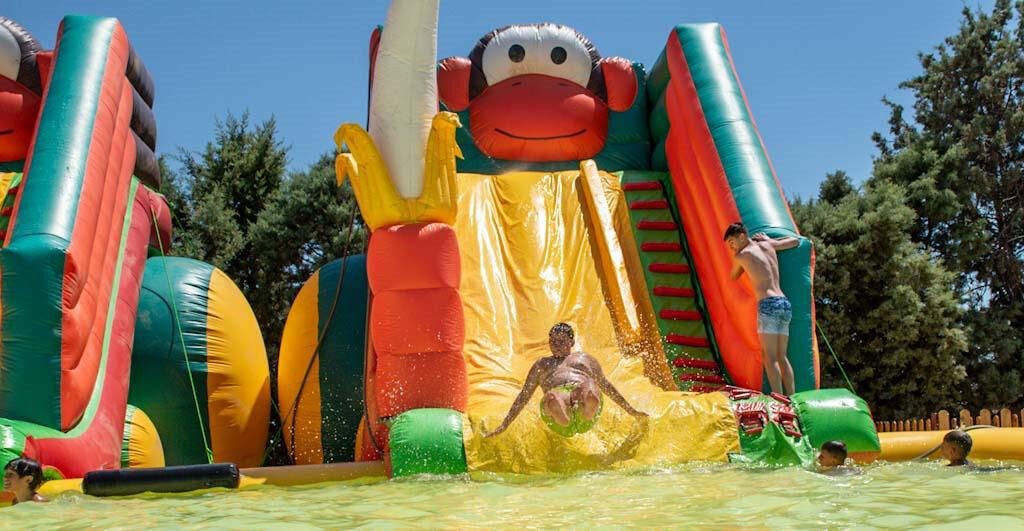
x=538, y=93
x=20, y=90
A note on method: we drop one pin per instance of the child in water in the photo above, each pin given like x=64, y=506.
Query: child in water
x=956, y=446
x=23, y=476
x=832, y=460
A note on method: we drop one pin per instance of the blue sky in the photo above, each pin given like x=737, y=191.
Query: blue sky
x=814, y=72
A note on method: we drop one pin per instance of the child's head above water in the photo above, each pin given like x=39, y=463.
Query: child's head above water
x=22, y=473
x=956, y=446
x=561, y=339
x=833, y=453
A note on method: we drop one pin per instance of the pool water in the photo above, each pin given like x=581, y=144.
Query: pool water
x=708, y=496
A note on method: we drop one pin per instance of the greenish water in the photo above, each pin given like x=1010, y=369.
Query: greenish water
x=712, y=497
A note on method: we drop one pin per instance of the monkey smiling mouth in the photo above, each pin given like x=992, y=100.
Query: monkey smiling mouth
x=6, y=132
x=570, y=135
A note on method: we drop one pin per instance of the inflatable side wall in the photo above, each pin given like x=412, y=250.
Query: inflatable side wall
x=706, y=137
x=74, y=251
x=199, y=366
x=321, y=391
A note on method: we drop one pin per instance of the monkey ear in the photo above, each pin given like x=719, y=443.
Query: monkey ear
x=453, y=82
x=620, y=82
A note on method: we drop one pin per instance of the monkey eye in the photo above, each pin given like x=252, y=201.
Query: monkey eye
x=544, y=49
x=558, y=55
x=517, y=53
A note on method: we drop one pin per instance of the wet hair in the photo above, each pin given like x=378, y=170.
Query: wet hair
x=836, y=448
x=734, y=230
x=961, y=440
x=563, y=328
x=24, y=466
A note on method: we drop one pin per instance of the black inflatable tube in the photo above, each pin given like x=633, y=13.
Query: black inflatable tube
x=143, y=122
x=139, y=77
x=147, y=168
x=129, y=481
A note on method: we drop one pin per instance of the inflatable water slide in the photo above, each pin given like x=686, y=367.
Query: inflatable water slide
x=555, y=184
x=531, y=182
x=84, y=229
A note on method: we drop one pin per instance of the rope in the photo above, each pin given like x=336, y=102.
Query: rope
x=319, y=343
x=181, y=337
x=838, y=363
x=933, y=450
x=366, y=366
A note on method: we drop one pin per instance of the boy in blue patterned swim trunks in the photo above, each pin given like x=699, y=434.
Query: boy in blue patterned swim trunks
x=757, y=256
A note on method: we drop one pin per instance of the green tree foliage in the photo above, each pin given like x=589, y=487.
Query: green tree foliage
x=961, y=161
x=235, y=207
x=887, y=306
x=306, y=223
x=228, y=185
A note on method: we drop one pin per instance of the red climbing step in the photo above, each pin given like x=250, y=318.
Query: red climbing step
x=678, y=269
x=655, y=204
x=688, y=341
x=703, y=378
x=705, y=388
x=645, y=185
x=656, y=225
x=667, y=291
x=679, y=315
x=695, y=364
x=659, y=247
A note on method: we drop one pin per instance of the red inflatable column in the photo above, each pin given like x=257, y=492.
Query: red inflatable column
x=416, y=322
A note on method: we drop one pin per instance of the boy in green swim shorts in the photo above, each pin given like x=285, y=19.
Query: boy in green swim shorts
x=573, y=383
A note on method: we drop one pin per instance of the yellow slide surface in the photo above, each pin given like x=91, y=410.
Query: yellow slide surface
x=528, y=261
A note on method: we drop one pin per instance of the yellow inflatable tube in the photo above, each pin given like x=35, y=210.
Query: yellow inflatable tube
x=989, y=443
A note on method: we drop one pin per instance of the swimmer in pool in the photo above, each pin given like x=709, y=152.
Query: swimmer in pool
x=573, y=383
x=22, y=477
x=956, y=446
x=832, y=460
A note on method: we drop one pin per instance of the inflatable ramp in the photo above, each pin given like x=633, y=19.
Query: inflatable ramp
x=531, y=257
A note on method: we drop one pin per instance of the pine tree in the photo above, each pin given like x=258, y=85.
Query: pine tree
x=234, y=207
x=961, y=160
x=888, y=308
x=306, y=223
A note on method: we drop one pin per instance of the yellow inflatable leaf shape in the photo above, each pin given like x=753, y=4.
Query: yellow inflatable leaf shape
x=379, y=202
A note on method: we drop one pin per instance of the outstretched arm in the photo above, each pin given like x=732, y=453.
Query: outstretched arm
x=779, y=244
x=610, y=390
x=529, y=386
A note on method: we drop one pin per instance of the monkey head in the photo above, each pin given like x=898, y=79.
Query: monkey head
x=538, y=93
x=20, y=89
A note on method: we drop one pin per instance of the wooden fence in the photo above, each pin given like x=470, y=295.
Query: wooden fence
x=943, y=421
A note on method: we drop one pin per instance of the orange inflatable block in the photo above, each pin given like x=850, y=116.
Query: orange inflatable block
x=426, y=380
x=415, y=321
x=413, y=256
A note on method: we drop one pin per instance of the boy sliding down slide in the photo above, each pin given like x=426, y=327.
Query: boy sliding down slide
x=572, y=383
x=756, y=255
